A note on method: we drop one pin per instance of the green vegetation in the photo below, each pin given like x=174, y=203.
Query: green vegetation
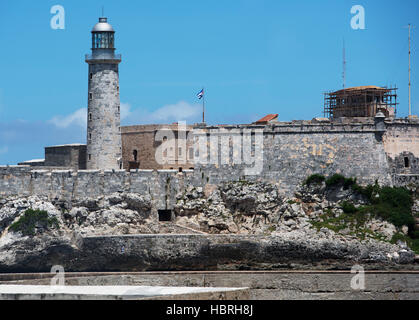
x=412, y=243
x=338, y=179
x=348, y=207
x=392, y=204
x=32, y=219
x=314, y=178
x=353, y=223
x=243, y=182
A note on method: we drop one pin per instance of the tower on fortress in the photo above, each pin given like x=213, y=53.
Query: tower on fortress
x=104, y=146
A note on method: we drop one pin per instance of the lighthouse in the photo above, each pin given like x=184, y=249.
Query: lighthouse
x=104, y=146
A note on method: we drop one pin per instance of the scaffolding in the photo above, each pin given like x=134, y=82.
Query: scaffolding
x=364, y=101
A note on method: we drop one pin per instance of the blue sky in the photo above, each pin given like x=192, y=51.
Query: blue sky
x=254, y=57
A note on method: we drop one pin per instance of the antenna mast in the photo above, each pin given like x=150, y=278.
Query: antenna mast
x=344, y=65
x=410, y=71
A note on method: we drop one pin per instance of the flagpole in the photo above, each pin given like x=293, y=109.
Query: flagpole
x=203, y=105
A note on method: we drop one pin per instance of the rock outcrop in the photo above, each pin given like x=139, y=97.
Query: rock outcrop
x=238, y=225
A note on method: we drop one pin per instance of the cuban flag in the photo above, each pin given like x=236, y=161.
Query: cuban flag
x=200, y=94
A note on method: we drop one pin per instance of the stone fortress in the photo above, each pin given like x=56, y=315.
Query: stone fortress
x=215, y=197
x=360, y=137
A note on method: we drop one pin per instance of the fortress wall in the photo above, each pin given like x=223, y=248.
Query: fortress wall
x=162, y=185
x=400, y=138
x=15, y=180
x=291, y=152
x=401, y=141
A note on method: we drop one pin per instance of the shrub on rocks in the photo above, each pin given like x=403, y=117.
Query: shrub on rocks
x=314, y=178
x=391, y=204
x=33, y=220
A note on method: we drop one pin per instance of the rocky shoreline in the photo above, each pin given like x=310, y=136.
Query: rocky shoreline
x=235, y=226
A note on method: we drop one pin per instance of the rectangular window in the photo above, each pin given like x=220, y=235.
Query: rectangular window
x=90, y=96
x=91, y=76
x=90, y=157
x=165, y=215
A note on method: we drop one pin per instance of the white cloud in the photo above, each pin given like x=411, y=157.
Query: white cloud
x=179, y=111
x=125, y=110
x=78, y=118
x=4, y=150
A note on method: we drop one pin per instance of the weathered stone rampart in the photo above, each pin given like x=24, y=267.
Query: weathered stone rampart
x=68, y=185
x=291, y=152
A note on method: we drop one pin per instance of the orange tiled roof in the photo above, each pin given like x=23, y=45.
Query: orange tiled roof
x=360, y=88
x=267, y=118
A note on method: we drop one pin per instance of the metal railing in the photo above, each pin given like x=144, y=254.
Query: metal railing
x=104, y=56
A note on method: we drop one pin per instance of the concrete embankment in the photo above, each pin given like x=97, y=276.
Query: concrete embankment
x=47, y=292
x=298, y=285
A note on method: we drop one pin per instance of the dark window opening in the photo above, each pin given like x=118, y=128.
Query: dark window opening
x=135, y=154
x=165, y=215
x=90, y=96
x=90, y=157
x=90, y=117
x=406, y=162
x=180, y=169
x=91, y=76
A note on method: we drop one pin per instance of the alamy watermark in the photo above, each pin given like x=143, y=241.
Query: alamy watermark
x=59, y=278
x=58, y=20
x=358, y=280
x=213, y=146
x=358, y=20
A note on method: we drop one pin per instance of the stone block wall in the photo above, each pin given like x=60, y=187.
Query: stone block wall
x=291, y=152
x=69, y=156
x=142, y=140
x=401, y=144
x=71, y=185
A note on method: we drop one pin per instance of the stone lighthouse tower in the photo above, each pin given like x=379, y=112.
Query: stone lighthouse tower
x=103, y=116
